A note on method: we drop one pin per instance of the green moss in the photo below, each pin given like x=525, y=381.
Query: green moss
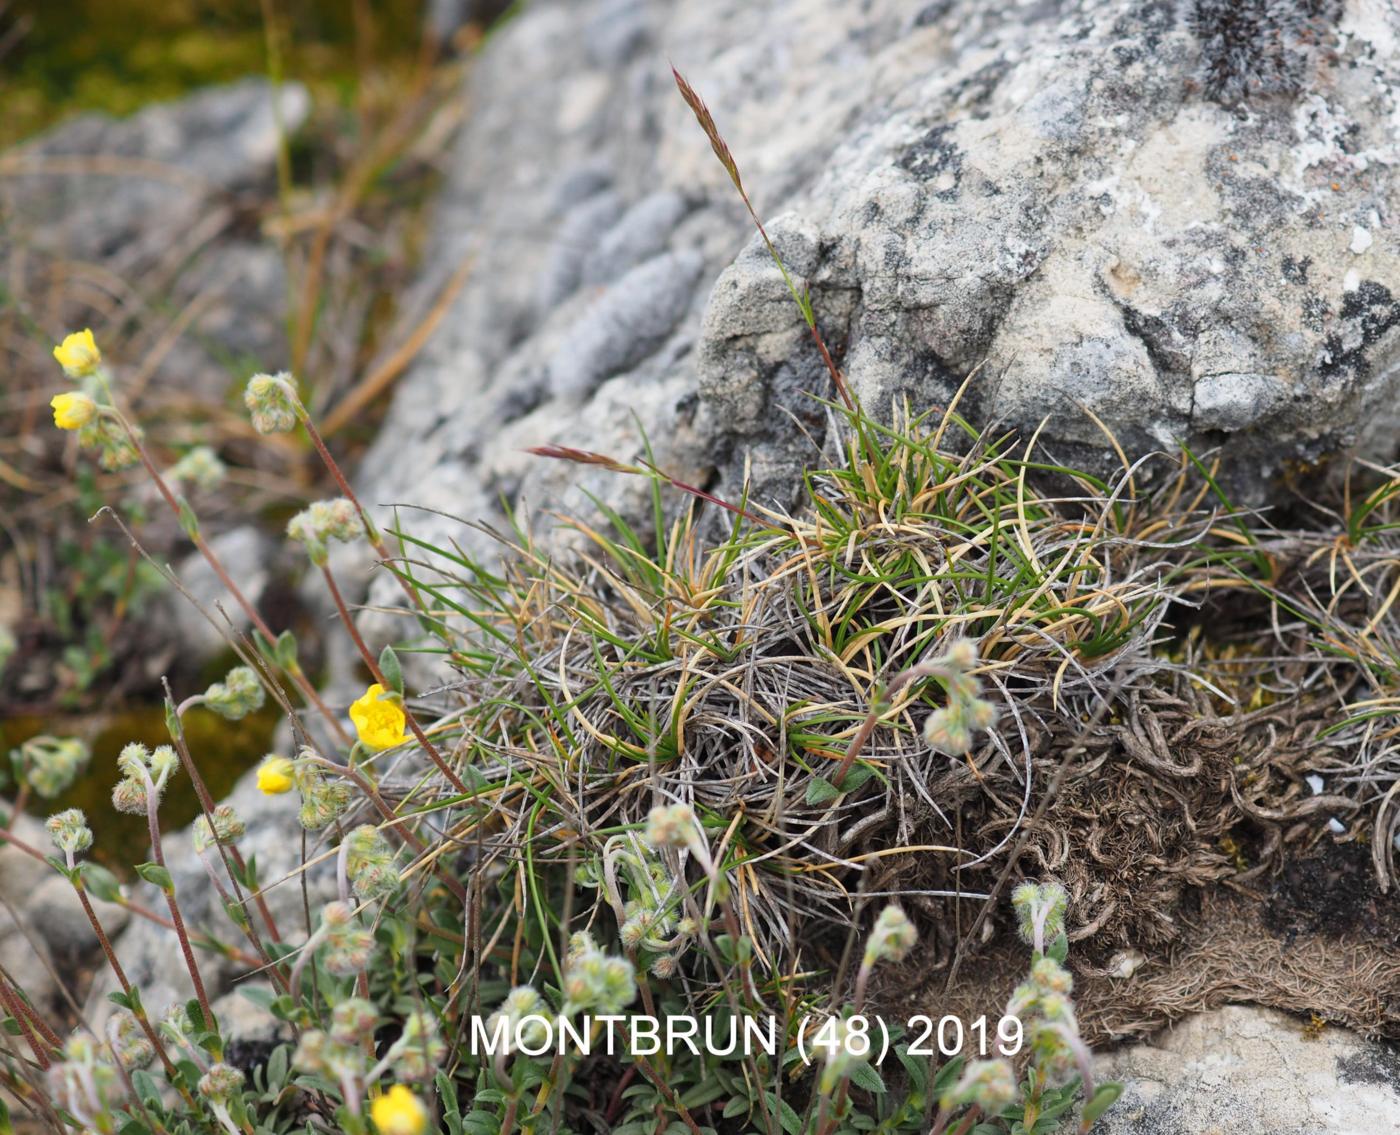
x=120, y=55
x=223, y=750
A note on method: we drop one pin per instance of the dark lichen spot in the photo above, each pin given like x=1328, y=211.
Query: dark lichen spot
x=1377, y=1064
x=1296, y=271
x=1315, y=312
x=1367, y=314
x=1259, y=47
x=932, y=157
x=931, y=13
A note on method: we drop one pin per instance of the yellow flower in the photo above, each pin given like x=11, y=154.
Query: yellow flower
x=378, y=721
x=275, y=776
x=72, y=411
x=399, y=1112
x=78, y=354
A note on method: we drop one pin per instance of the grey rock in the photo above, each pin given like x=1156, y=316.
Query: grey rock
x=243, y=1021
x=56, y=913
x=1079, y=204
x=642, y=232
x=24, y=952
x=129, y=191
x=25, y=957
x=246, y=552
x=21, y=873
x=1253, y=1071
x=625, y=326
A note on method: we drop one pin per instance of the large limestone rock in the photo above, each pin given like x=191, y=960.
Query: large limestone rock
x=1175, y=218
x=108, y=217
x=1251, y=1071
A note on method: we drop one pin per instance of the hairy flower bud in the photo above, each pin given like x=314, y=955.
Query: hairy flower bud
x=271, y=402
x=892, y=938
x=69, y=831
x=225, y=829
x=673, y=826
x=239, y=694
x=988, y=1084
x=52, y=764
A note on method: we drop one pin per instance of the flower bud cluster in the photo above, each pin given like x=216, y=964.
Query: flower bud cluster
x=526, y=1016
x=143, y=771
x=1043, y=1003
x=239, y=694
x=323, y=799
x=988, y=1084
x=672, y=826
x=114, y=446
x=69, y=831
x=221, y=826
x=892, y=937
x=371, y=864
x=199, y=467
x=339, y=1052
x=840, y=1059
x=348, y=944
x=324, y=521
x=272, y=402
x=84, y=1083
x=129, y=1041
x=419, y=1050
x=595, y=981
x=1040, y=912
x=52, y=764
x=950, y=729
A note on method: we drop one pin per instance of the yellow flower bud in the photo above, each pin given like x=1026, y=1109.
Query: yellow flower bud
x=399, y=1112
x=275, y=776
x=72, y=411
x=379, y=721
x=78, y=355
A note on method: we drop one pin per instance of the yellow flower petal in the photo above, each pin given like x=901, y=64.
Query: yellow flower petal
x=78, y=354
x=72, y=411
x=275, y=776
x=399, y=1112
x=379, y=721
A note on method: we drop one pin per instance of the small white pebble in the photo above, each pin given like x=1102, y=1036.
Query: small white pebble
x=1351, y=281
x=1125, y=963
x=1336, y=825
x=1360, y=239
x=1315, y=783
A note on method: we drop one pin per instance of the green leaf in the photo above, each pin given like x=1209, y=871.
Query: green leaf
x=99, y=882
x=790, y=1120
x=1104, y=1098
x=915, y=1067
x=156, y=874
x=277, y=1067
x=390, y=668
x=189, y=523
x=285, y=652
x=736, y=1106
x=822, y=791
x=865, y=1076
x=1059, y=949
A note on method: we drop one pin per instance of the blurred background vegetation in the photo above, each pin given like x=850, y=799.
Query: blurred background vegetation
x=344, y=215
x=61, y=56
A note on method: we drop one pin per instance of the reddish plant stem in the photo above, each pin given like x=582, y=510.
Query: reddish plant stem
x=371, y=531
x=303, y=683
x=152, y=822
x=14, y=1005
x=229, y=852
x=120, y=972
